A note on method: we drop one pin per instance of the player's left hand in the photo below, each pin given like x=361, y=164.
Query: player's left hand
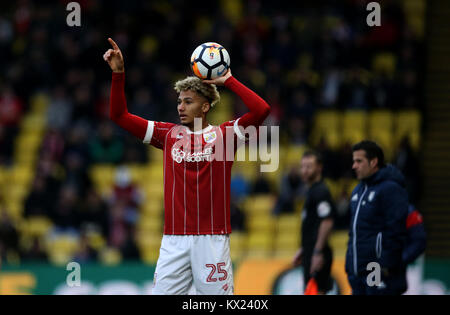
x=220, y=80
x=316, y=263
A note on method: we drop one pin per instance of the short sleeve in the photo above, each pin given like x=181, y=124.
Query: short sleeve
x=325, y=207
x=156, y=133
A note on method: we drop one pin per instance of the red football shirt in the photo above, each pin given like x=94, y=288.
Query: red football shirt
x=197, y=166
x=197, y=176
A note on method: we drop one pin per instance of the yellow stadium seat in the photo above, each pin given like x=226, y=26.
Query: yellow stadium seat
x=288, y=222
x=238, y=240
x=149, y=256
x=287, y=242
x=137, y=173
x=36, y=226
x=260, y=241
x=327, y=125
x=110, y=256
x=408, y=124
x=61, y=249
x=261, y=223
x=17, y=192
x=354, y=126
x=39, y=103
x=334, y=186
x=154, y=189
x=155, y=155
x=294, y=154
x=34, y=122
x=338, y=242
x=102, y=174
x=21, y=175
x=14, y=209
x=384, y=63
x=149, y=240
x=150, y=224
x=258, y=204
x=153, y=206
x=381, y=129
x=96, y=240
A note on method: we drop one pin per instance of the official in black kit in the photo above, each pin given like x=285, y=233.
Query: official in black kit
x=315, y=255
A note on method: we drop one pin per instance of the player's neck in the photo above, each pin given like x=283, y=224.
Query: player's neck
x=198, y=127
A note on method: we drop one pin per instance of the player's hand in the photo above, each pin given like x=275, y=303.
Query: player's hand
x=316, y=263
x=298, y=258
x=114, y=57
x=220, y=80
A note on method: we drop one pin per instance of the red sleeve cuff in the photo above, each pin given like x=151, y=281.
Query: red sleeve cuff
x=118, y=76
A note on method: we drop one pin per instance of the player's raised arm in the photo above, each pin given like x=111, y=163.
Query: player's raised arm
x=118, y=104
x=259, y=109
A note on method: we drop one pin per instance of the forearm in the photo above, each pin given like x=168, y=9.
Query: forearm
x=118, y=111
x=324, y=232
x=259, y=109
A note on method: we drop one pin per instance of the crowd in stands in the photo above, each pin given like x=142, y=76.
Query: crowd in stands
x=300, y=57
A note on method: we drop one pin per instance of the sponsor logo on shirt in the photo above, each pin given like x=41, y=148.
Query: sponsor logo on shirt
x=179, y=155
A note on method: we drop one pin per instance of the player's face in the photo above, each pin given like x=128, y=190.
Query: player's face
x=309, y=169
x=362, y=166
x=191, y=105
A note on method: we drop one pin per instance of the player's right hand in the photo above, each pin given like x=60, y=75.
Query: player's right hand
x=298, y=258
x=114, y=57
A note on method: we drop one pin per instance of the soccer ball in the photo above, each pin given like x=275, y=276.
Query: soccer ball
x=210, y=60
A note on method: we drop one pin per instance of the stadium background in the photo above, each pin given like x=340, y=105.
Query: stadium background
x=75, y=187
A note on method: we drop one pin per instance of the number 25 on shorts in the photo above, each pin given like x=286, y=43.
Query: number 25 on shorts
x=219, y=270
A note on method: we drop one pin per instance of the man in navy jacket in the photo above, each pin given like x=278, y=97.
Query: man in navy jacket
x=379, y=210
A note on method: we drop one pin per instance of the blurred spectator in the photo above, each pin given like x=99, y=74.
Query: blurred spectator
x=94, y=213
x=65, y=214
x=9, y=236
x=6, y=146
x=11, y=109
x=59, y=112
x=85, y=253
x=39, y=201
x=261, y=185
x=291, y=190
x=126, y=193
x=105, y=147
x=76, y=174
x=237, y=216
x=408, y=163
x=53, y=145
x=239, y=186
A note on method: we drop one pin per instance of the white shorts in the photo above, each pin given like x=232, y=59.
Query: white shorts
x=199, y=261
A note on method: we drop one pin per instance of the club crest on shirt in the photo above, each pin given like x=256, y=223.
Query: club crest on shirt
x=210, y=137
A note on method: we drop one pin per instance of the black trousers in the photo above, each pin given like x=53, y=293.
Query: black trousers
x=323, y=276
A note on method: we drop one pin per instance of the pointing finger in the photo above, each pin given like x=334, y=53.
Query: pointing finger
x=113, y=44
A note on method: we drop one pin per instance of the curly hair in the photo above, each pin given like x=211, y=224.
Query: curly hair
x=209, y=91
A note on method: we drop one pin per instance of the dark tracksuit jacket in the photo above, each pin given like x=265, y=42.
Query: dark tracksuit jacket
x=379, y=209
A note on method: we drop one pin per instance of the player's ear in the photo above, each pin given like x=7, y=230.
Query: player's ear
x=206, y=107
